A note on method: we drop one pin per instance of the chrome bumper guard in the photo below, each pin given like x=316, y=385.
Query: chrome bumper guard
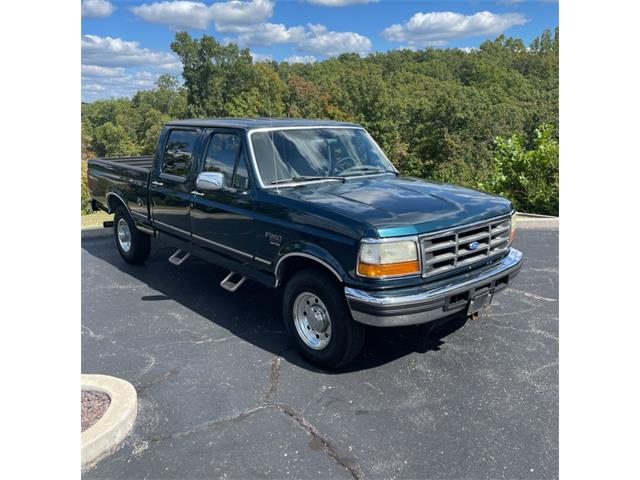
x=432, y=301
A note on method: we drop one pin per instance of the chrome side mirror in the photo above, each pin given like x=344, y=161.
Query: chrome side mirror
x=210, y=181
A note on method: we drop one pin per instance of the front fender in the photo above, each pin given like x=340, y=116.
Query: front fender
x=313, y=252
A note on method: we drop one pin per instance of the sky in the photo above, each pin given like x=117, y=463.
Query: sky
x=125, y=44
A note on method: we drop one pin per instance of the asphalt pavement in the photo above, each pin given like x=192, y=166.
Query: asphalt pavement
x=223, y=394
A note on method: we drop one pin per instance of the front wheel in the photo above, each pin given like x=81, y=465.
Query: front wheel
x=317, y=316
x=134, y=246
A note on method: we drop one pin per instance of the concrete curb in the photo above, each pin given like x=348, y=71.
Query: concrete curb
x=535, y=215
x=117, y=421
x=525, y=221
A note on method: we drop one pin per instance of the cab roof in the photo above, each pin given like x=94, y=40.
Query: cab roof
x=262, y=122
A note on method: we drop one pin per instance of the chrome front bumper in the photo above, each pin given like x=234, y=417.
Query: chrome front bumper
x=434, y=300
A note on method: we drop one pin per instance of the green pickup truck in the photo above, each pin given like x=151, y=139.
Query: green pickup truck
x=315, y=208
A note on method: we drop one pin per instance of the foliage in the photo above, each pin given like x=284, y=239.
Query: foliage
x=85, y=197
x=528, y=176
x=120, y=127
x=485, y=118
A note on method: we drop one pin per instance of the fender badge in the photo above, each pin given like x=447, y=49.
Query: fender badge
x=273, y=239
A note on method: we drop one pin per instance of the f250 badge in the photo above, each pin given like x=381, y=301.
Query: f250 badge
x=273, y=238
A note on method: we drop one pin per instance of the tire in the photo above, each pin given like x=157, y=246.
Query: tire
x=337, y=337
x=134, y=246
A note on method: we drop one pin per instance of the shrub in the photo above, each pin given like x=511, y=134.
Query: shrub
x=530, y=177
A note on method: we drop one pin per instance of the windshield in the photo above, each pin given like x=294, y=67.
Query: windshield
x=316, y=153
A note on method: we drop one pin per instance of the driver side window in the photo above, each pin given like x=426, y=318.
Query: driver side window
x=225, y=155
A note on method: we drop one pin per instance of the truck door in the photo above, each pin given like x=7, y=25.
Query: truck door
x=172, y=181
x=222, y=219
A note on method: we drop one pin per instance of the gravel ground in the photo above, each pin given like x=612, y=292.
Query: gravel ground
x=223, y=394
x=94, y=404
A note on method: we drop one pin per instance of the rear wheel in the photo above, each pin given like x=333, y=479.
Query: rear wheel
x=134, y=246
x=317, y=316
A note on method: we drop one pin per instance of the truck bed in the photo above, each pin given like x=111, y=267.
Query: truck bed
x=125, y=177
x=144, y=162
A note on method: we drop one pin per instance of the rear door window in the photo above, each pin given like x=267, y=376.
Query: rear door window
x=178, y=152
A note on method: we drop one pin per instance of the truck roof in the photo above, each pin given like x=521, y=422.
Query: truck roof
x=261, y=122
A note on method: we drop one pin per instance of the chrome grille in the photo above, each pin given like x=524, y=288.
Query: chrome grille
x=463, y=246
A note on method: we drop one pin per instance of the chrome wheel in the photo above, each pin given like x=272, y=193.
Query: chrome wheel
x=312, y=320
x=124, y=235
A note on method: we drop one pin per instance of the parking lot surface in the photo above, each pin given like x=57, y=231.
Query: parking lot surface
x=223, y=393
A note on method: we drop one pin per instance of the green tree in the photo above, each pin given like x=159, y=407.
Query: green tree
x=214, y=74
x=466, y=117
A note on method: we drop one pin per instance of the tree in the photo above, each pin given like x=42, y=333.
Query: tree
x=485, y=118
x=214, y=74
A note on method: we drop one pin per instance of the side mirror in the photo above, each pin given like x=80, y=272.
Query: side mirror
x=210, y=181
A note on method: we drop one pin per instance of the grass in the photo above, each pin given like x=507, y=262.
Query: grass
x=94, y=219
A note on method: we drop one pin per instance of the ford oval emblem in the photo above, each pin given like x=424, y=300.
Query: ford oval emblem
x=474, y=245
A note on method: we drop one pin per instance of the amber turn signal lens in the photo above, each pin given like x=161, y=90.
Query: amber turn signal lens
x=512, y=233
x=388, y=269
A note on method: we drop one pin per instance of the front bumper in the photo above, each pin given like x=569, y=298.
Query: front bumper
x=432, y=301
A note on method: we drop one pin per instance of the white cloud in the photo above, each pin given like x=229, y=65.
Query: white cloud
x=229, y=16
x=436, y=28
x=300, y=59
x=321, y=41
x=96, y=71
x=237, y=15
x=115, y=52
x=261, y=57
x=104, y=82
x=310, y=39
x=97, y=8
x=339, y=3
x=112, y=67
x=268, y=34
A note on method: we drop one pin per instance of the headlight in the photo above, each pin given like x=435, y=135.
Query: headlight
x=383, y=258
x=512, y=232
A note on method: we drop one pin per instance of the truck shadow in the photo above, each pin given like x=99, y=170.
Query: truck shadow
x=253, y=312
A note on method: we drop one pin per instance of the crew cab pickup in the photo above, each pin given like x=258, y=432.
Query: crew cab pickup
x=316, y=209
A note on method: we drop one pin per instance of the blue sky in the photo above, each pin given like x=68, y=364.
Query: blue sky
x=125, y=44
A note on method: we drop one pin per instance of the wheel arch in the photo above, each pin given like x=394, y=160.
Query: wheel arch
x=113, y=199
x=310, y=256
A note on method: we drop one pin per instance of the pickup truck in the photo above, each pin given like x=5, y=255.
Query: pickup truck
x=315, y=209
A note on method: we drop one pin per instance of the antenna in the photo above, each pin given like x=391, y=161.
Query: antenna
x=273, y=143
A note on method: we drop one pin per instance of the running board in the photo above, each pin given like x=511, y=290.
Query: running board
x=177, y=259
x=230, y=286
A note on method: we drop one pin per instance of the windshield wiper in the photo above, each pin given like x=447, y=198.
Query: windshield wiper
x=306, y=178
x=366, y=168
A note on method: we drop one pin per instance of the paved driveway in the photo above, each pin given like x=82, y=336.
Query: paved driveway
x=222, y=393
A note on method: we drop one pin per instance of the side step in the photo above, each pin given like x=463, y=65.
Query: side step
x=179, y=257
x=230, y=285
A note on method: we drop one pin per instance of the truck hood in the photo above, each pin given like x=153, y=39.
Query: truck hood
x=397, y=206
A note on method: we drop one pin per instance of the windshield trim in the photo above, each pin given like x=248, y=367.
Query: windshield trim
x=254, y=163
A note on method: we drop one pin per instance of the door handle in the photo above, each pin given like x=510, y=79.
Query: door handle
x=157, y=184
x=195, y=192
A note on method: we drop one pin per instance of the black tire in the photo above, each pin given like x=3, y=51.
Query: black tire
x=140, y=243
x=347, y=336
